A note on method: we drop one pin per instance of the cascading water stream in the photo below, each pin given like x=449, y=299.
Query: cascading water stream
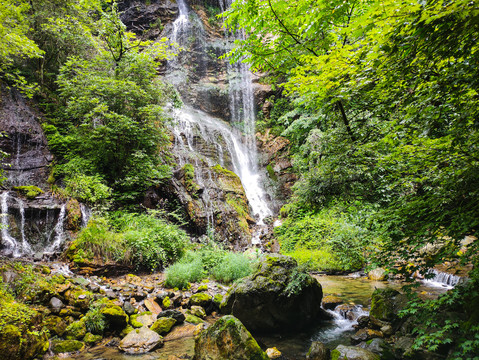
x=26, y=248
x=8, y=241
x=59, y=232
x=232, y=148
x=85, y=214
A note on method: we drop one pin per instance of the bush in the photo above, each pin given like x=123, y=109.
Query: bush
x=97, y=242
x=95, y=320
x=326, y=240
x=232, y=267
x=152, y=242
x=209, y=260
x=190, y=269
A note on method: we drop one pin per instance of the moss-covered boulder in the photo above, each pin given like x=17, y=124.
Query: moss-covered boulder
x=352, y=353
x=318, y=351
x=227, y=339
x=201, y=299
x=192, y=319
x=76, y=330
x=92, y=339
x=79, y=298
x=115, y=317
x=163, y=325
x=66, y=346
x=22, y=336
x=197, y=311
x=277, y=297
x=55, y=325
x=385, y=306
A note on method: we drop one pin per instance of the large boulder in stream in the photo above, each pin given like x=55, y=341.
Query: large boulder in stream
x=385, y=306
x=277, y=297
x=140, y=341
x=227, y=339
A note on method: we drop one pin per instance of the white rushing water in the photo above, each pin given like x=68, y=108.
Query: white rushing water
x=26, y=248
x=8, y=241
x=85, y=214
x=59, y=232
x=232, y=147
x=442, y=279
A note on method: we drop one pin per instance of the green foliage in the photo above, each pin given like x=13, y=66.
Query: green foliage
x=231, y=267
x=95, y=320
x=30, y=191
x=208, y=260
x=329, y=234
x=90, y=189
x=151, y=241
x=144, y=241
x=440, y=327
x=98, y=242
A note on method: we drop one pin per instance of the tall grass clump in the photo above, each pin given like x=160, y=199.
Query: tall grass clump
x=232, y=267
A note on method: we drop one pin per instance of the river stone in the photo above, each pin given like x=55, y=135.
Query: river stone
x=140, y=341
x=353, y=353
x=198, y=311
x=318, y=351
x=227, y=339
x=175, y=314
x=275, y=297
x=56, y=304
x=385, y=305
x=365, y=335
x=273, y=353
x=128, y=308
x=378, y=274
x=330, y=302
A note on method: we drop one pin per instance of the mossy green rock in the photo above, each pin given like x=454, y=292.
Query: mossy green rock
x=76, y=330
x=20, y=344
x=201, y=299
x=30, y=192
x=163, y=325
x=66, y=346
x=218, y=299
x=227, y=339
x=192, y=319
x=276, y=296
x=55, y=325
x=115, y=317
x=352, y=353
x=385, y=304
x=197, y=311
x=79, y=298
x=91, y=339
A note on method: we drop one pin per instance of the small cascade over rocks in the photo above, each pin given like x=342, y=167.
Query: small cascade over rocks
x=443, y=279
x=31, y=228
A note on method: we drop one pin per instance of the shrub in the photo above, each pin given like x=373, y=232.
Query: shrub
x=232, y=267
x=95, y=320
x=152, y=242
x=97, y=242
x=190, y=269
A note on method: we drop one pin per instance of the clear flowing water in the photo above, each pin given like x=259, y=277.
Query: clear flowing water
x=85, y=214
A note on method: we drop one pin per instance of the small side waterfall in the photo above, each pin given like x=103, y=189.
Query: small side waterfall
x=59, y=232
x=443, y=279
x=9, y=243
x=31, y=228
x=85, y=214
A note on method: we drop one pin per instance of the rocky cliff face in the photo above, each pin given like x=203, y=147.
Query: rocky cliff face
x=23, y=140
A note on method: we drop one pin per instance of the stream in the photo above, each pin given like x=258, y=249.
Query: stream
x=354, y=291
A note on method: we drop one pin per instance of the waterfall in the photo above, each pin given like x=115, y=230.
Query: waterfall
x=59, y=232
x=85, y=214
x=195, y=131
x=8, y=241
x=26, y=248
x=443, y=279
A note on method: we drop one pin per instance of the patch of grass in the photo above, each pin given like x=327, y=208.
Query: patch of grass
x=232, y=267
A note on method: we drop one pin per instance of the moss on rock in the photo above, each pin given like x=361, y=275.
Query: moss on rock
x=66, y=346
x=226, y=339
x=163, y=325
x=30, y=191
x=201, y=299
